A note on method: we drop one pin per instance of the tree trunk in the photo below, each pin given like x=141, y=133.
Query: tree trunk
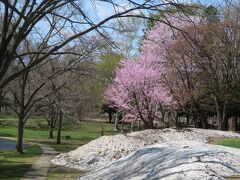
x=50, y=135
x=132, y=125
x=122, y=127
x=195, y=122
x=236, y=123
x=116, y=124
x=203, y=120
x=19, y=144
x=110, y=117
x=51, y=119
x=187, y=122
x=59, y=127
x=232, y=123
x=150, y=124
x=224, y=117
x=138, y=124
x=1, y=100
x=175, y=119
x=52, y=126
x=204, y=123
x=219, y=116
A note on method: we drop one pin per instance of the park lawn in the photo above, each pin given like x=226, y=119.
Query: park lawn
x=87, y=131
x=81, y=134
x=13, y=166
x=33, y=122
x=39, y=122
x=230, y=142
x=59, y=172
x=7, y=116
x=36, y=131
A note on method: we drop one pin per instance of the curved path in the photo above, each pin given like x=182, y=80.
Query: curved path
x=40, y=168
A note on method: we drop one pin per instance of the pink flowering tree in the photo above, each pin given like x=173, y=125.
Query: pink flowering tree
x=137, y=90
x=140, y=88
x=179, y=73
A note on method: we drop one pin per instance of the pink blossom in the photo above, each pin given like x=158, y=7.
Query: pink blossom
x=138, y=88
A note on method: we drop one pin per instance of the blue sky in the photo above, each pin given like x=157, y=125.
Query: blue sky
x=102, y=10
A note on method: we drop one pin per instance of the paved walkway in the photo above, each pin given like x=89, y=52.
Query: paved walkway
x=40, y=168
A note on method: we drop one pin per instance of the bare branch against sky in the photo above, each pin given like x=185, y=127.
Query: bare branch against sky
x=53, y=25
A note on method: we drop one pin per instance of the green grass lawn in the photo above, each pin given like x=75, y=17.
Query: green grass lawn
x=86, y=132
x=59, y=172
x=36, y=130
x=33, y=121
x=230, y=142
x=13, y=166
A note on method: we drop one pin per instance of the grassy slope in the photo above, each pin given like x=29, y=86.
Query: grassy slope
x=230, y=142
x=58, y=172
x=36, y=131
x=13, y=166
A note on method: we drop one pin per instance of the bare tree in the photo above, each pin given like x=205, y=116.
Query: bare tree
x=23, y=98
x=28, y=92
x=54, y=24
x=205, y=70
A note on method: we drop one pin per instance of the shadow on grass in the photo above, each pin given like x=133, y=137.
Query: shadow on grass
x=14, y=166
x=3, y=134
x=229, y=142
x=233, y=178
x=59, y=172
x=13, y=170
x=87, y=138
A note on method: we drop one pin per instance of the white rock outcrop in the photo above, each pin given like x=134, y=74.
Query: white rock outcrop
x=173, y=161
x=107, y=149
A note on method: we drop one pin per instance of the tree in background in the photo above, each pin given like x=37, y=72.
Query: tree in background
x=108, y=63
x=137, y=90
x=107, y=108
x=213, y=52
x=107, y=67
x=28, y=93
x=200, y=55
x=175, y=52
x=53, y=25
x=23, y=99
